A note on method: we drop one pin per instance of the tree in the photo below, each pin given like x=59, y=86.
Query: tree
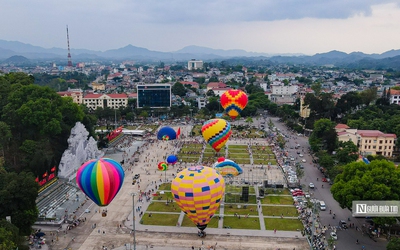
x=316, y=87
x=323, y=136
x=394, y=244
x=18, y=193
x=369, y=95
x=379, y=180
x=347, y=152
x=179, y=89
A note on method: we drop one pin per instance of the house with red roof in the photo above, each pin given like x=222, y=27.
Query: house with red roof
x=369, y=142
x=77, y=96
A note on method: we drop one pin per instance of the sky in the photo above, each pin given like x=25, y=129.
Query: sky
x=267, y=26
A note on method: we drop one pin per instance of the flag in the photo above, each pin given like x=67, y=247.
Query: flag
x=53, y=169
x=51, y=176
x=44, y=175
x=178, y=132
x=37, y=179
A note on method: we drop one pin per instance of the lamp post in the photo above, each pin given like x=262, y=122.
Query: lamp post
x=133, y=221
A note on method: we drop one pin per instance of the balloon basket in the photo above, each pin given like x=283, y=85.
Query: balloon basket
x=104, y=214
x=201, y=234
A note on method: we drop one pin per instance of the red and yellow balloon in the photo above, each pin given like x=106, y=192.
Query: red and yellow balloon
x=216, y=132
x=233, y=101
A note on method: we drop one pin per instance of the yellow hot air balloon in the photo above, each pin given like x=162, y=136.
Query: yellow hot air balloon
x=198, y=191
x=216, y=132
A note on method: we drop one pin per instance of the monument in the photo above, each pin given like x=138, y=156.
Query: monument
x=80, y=149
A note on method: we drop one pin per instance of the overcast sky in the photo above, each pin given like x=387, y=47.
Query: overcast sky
x=270, y=26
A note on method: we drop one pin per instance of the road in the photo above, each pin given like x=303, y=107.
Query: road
x=346, y=238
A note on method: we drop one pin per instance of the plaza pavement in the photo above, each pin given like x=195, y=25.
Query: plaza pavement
x=115, y=230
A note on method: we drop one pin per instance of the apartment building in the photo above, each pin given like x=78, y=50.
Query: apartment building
x=369, y=142
x=113, y=101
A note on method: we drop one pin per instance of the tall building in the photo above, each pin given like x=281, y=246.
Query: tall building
x=195, y=64
x=154, y=95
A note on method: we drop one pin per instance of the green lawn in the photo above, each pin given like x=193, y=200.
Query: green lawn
x=163, y=197
x=277, y=191
x=190, y=159
x=235, y=198
x=238, y=189
x=242, y=223
x=283, y=224
x=161, y=206
x=250, y=209
x=263, y=162
x=186, y=222
x=165, y=186
x=240, y=160
x=160, y=219
x=237, y=147
x=279, y=210
x=277, y=199
x=197, y=130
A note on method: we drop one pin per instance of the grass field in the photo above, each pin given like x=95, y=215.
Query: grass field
x=242, y=223
x=282, y=224
x=196, y=131
x=280, y=210
x=235, y=198
x=190, y=152
x=160, y=219
x=163, y=197
x=277, y=191
x=161, y=206
x=165, y=186
x=186, y=222
x=263, y=162
x=277, y=199
x=250, y=209
x=238, y=189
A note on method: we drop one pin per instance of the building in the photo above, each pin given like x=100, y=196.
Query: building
x=201, y=102
x=369, y=142
x=113, y=101
x=213, y=85
x=394, y=96
x=98, y=86
x=77, y=96
x=195, y=64
x=154, y=95
x=304, y=109
x=279, y=88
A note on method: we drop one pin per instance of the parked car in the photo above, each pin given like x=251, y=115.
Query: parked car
x=311, y=185
x=304, y=160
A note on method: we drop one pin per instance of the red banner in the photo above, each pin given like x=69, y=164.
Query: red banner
x=44, y=175
x=51, y=176
x=178, y=133
x=114, y=133
x=37, y=179
x=42, y=182
x=53, y=169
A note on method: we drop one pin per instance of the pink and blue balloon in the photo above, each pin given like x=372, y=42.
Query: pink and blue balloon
x=100, y=180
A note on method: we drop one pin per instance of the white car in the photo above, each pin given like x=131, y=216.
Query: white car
x=311, y=185
x=304, y=160
x=307, y=195
x=334, y=235
x=301, y=155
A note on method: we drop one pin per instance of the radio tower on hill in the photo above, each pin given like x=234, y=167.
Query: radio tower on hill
x=69, y=51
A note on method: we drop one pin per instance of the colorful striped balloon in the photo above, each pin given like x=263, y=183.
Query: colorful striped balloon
x=163, y=166
x=216, y=132
x=198, y=191
x=100, y=180
x=233, y=101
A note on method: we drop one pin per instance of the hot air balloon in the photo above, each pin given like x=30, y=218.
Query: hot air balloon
x=162, y=166
x=228, y=168
x=166, y=134
x=198, y=191
x=100, y=180
x=172, y=159
x=233, y=101
x=216, y=132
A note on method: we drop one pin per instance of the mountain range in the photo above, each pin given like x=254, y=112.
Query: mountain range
x=36, y=53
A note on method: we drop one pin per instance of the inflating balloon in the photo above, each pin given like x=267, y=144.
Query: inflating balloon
x=233, y=101
x=166, y=134
x=221, y=159
x=162, y=166
x=216, y=132
x=198, y=191
x=100, y=180
x=228, y=168
x=172, y=159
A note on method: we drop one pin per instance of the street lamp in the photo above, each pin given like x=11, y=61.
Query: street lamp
x=133, y=221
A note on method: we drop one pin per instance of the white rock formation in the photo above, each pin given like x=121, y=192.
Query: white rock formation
x=80, y=149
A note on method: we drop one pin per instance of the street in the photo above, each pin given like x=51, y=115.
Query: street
x=346, y=238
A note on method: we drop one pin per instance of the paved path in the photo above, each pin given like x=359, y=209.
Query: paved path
x=115, y=229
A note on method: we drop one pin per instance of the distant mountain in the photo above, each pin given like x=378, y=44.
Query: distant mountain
x=16, y=60
x=130, y=52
